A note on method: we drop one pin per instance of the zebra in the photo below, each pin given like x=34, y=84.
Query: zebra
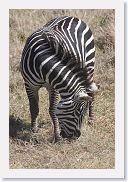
x=60, y=56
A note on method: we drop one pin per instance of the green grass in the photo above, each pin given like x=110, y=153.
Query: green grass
x=96, y=146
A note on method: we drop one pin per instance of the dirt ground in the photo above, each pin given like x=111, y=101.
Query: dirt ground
x=96, y=146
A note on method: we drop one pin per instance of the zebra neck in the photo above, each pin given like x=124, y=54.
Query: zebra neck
x=63, y=75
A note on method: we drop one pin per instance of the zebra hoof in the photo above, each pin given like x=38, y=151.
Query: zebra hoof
x=34, y=129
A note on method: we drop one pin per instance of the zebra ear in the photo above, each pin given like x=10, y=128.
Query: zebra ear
x=82, y=96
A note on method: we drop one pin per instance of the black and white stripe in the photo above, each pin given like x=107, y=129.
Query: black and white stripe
x=60, y=56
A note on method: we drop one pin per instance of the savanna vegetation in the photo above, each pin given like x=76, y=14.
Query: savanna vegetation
x=96, y=146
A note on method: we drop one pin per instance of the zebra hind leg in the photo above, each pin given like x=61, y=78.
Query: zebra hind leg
x=33, y=97
x=53, y=99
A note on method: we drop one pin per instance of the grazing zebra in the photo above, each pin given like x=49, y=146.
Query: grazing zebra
x=60, y=56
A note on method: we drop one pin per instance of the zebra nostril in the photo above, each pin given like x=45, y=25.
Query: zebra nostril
x=78, y=133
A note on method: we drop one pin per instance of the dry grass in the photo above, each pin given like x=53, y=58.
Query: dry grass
x=96, y=146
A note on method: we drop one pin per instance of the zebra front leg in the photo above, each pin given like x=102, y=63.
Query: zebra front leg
x=33, y=97
x=53, y=98
x=91, y=107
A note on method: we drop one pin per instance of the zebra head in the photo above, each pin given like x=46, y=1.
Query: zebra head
x=70, y=113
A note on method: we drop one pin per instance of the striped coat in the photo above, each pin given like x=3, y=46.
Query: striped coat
x=61, y=56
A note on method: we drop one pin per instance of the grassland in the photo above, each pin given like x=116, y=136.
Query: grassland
x=96, y=146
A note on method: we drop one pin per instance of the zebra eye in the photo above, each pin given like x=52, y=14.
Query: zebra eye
x=60, y=105
x=82, y=96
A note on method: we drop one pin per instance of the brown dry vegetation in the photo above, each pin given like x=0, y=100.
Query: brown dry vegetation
x=96, y=146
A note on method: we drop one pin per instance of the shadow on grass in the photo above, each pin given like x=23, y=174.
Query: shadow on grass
x=21, y=131
x=18, y=129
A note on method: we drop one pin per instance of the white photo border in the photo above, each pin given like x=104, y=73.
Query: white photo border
x=118, y=172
